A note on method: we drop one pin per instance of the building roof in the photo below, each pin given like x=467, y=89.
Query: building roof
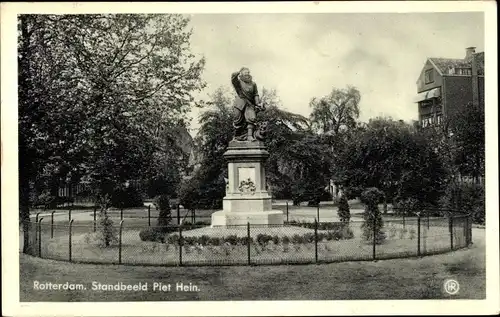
x=443, y=64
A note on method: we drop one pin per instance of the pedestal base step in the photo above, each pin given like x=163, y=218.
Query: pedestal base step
x=225, y=218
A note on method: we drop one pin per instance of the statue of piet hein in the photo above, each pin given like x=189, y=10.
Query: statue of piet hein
x=246, y=106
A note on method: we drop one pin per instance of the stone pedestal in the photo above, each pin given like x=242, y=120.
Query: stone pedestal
x=247, y=198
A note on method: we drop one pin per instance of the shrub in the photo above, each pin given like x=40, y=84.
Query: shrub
x=203, y=240
x=276, y=239
x=263, y=239
x=297, y=239
x=231, y=239
x=467, y=198
x=321, y=236
x=308, y=238
x=107, y=232
x=285, y=240
x=148, y=234
x=246, y=240
x=126, y=198
x=346, y=233
x=173, y=239
x=203, y=190
x=152, y=234
x=343, y=209
x=372, y=226
x=165, y=215
x=408, y=206
x=214, y=241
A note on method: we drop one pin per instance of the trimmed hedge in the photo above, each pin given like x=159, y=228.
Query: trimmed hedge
x=260, y=239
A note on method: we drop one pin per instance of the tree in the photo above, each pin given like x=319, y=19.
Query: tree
x=94, y=91
x=343, y=209
x=206, y=187
x=392, y=156
x=468, y=138
x=336, y=111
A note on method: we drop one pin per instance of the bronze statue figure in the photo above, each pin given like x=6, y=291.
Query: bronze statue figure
x=246, y=106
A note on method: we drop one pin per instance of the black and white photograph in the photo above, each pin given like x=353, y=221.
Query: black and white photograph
x=177, y=154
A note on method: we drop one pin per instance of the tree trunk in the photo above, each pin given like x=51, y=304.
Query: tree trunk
x=24, y=209
x=24, y=160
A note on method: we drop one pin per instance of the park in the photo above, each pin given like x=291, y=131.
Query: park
x=114, y=186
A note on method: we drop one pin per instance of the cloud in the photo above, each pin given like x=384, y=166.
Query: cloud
x=306, y=55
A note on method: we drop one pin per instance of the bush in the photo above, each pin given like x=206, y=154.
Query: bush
x=372, y=226
x=343, y=209
x=297, y=239
x=148, y=234
x=165, y=214
x=466, y=198
x=153, y=234
x=205, y=190
x=231, y=239
x=126, y=198
x=407, y=207
x=263, y=239
x=107, y=232
x=173, y=239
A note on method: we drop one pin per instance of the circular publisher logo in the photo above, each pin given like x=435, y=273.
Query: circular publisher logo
x=451, y=287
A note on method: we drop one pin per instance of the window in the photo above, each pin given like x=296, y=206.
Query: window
x=426, y=121
x=439, y=119
x=429, y=76
x=463, y=71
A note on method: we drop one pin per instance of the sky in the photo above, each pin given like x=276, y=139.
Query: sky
x=307, y=55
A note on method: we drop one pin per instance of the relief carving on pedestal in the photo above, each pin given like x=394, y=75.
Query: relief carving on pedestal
x=247, y=187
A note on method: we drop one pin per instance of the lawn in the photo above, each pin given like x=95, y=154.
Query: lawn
x=412, y=278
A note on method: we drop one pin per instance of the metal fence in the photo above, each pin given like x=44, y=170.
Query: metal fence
x=137, y=243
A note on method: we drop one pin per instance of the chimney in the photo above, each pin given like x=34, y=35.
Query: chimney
x=475, y=81
x=469, y=51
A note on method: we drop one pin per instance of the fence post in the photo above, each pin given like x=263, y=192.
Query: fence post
x=469, y=229
x=317, y=212
x=40, y=237
x=374, y=236
x=451, y=232
x=466, y=231
x=180, y=244
x=178, y=214
x=120, y=243
x=404, y=224
x=315, y=241
x=428, y=225
x=69, y=213
x=69, y=240
x=194, y=216
x=287, y=211
x=52, y=224
x=149, y=215
x=248, y=243
x=418, y=235
x=36, y=217
x=121, y=213
x=95, y=221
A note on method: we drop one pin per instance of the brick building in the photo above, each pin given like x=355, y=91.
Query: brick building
x=447, y=84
